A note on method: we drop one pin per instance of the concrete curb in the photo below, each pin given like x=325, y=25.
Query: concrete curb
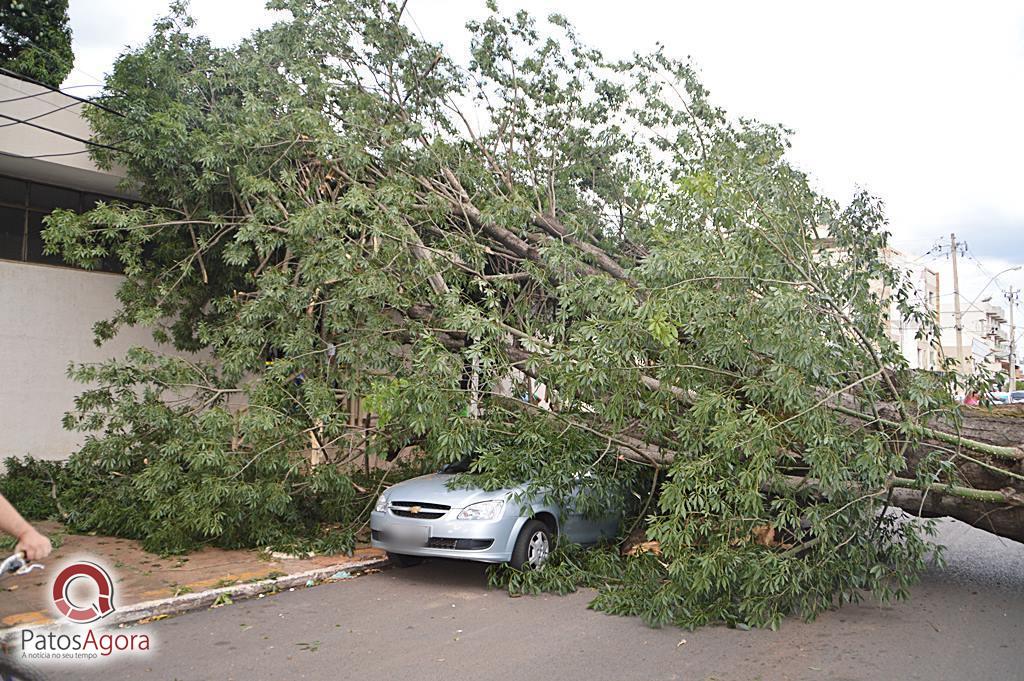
x=176, y=605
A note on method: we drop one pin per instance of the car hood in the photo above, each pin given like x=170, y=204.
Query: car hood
x=433, y=489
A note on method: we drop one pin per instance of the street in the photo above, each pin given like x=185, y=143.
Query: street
x=440, y=621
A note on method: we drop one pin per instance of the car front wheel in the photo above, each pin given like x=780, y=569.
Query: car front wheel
x=532, y=547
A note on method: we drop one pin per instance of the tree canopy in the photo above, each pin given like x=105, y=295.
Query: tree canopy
x=35, y=39
x=566, y=262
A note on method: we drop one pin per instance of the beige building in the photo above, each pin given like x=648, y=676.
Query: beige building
x=986, y=336
x=47, y=309
x=920, y=348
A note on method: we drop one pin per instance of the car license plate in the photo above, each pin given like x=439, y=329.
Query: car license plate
x=409, y=535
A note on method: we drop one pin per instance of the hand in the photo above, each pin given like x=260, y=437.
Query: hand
x=34, y=545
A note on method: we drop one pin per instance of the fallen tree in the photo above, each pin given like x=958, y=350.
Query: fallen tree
x=564, y=262
x=981, y=458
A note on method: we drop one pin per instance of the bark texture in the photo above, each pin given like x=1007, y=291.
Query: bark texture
x=1001, y=426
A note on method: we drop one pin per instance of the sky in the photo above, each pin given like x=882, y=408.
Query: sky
x=919, y=103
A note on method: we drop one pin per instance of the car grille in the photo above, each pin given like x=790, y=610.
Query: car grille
x=444, y=542
x=426, y=515
x=459, y=544
x=424, y=510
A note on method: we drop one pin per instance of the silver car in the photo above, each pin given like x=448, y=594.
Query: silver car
x=423, y=517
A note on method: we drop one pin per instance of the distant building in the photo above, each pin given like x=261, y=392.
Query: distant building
x=985, y=333
x=920, y=347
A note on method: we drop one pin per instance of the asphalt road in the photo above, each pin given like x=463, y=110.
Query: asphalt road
x=439, y=621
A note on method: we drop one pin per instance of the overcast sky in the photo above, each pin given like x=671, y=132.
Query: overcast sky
x=921, y=103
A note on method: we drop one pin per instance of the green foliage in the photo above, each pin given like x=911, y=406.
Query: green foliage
x=35, y=39
x=217, y=506
x=604, y=276
x=31, y=486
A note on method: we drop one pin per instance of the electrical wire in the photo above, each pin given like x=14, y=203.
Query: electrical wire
x=46, y=113
x=984, y=271
x=38, y=156
x=981, y=267
x=62, y=134
x=993, y=278
x=40, y=94
x=51, y=54
x=935, y=251
x=98, y=105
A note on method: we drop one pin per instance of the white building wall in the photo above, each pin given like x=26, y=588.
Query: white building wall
x=46, y=312
x=42, y=149
x=46, y=319
x=920, y=353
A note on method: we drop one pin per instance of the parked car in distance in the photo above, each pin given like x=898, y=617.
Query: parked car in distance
x=423, y=517
x=1017, y=396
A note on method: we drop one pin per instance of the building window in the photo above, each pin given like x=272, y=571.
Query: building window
x=12, y=233
x=23, y=205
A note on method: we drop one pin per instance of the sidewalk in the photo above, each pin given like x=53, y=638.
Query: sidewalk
x=147, y=585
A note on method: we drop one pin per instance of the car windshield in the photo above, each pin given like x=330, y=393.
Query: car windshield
x=462, y=465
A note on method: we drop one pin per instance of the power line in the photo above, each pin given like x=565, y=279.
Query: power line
x=62, y=134
x=935, y=251
x=73, y=67
x=45, y=113
x=926, y=258
x=984, y=271
x=98, y=105
x=28, y=121
x=37, y=156
x=40, y=94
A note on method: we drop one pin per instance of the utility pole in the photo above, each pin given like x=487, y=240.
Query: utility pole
x=958, y=323
x=1012, y=296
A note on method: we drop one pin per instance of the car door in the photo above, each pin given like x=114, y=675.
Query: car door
x=589, y=517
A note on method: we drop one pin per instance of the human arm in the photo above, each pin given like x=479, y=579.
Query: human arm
x=34, y=545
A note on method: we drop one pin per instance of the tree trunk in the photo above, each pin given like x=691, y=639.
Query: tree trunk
x=1002, y=426
x=1005, y=520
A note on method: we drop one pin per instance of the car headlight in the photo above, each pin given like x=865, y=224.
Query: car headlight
x=485, y=510
x=382, y=504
